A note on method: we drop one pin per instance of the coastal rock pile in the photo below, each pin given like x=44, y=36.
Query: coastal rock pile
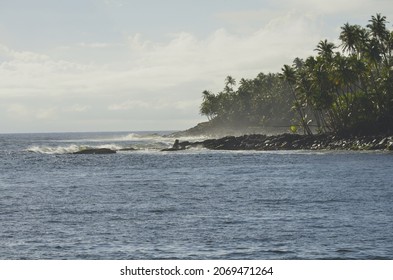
x=293, y=142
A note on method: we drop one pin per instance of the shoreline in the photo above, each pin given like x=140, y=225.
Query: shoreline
x=286, y=141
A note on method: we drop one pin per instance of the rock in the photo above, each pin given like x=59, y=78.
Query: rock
x=290, y=142
x=178, y=146
x=100, y=151
x=127, y=149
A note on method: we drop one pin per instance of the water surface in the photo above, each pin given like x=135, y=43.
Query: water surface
x=194, y=204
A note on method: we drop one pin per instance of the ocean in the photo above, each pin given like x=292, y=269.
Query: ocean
x=191, y=204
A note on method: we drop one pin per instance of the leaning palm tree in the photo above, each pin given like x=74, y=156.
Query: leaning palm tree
x=208, y=107
x=289, y=75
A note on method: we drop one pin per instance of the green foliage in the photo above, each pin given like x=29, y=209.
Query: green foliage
x=293, y=128
x=263, y=101
x=342, y=92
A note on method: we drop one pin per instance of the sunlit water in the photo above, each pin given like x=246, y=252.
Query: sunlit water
x=194, y=204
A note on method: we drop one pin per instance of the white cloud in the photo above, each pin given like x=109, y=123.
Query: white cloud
x=161, y=78
x=156, y=78
x=148, y=66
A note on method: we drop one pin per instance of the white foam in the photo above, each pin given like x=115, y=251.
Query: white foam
x=56, y=150
x=147, y=142
x=70, y=149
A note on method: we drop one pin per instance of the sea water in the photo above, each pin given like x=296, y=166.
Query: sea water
x=192, y=204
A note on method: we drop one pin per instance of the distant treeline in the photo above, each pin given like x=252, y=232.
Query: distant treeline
x=343, y=89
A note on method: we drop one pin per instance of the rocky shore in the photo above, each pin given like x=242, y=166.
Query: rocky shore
x=291, y=142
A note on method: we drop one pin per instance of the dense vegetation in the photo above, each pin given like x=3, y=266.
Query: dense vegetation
x=343, y=89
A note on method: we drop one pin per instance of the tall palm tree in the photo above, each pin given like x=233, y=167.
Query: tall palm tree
x=350, y=37
x=289, y=75
x=208, y=107
x=230, y=82
x=377, y=26
x=379, y=32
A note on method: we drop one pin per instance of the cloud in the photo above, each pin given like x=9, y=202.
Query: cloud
x=155, y=79
x=338, y=6
x=95, y=45
x=161, y=104
x=148, y=66
x=77, y=108
x=185, y=57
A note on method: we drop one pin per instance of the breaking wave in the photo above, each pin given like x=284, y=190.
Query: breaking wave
x=70, y=149
x=134, y=137
x=119, y=142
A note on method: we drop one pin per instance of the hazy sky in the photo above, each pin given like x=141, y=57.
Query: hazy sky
x=110, y=65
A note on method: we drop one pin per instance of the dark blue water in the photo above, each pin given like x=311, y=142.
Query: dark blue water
x=195, y=204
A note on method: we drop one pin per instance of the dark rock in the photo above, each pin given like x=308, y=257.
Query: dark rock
x=127, y=149
x=178, y=146
x=100, y=151
x=291, y=142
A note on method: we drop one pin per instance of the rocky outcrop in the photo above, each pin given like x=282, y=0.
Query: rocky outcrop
x=292, y=142
x=99, y=151
x=177, y=146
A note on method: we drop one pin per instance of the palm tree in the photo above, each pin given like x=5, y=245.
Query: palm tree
x=244, y=93
x=298, y=63
x=208, y=107
x=325, y=49
x=289, y=75
x=379, y=32
x=350, y=37
x=390, y=44
x=346, y=90
x=230, y=82
x=378, y=29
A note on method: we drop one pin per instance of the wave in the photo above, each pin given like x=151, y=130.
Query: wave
x=138, y=137
x=134, y=137
x=118, y=142
x=70, y=149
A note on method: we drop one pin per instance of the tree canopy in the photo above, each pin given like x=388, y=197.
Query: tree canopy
x=342, y=89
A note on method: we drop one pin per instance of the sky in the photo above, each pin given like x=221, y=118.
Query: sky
x=118, y=65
